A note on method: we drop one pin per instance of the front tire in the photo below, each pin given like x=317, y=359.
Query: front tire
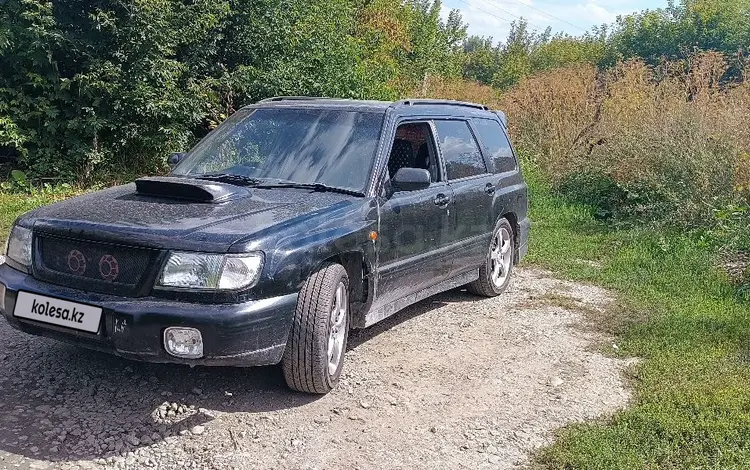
x=314, y=354
x=496, y=273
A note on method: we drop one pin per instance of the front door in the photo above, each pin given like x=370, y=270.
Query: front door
x=416, y=227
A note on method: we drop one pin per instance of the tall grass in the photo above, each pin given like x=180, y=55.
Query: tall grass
x=666, y=146
x=13, y=203
x=447, y=88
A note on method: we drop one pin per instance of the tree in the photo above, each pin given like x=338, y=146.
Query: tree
x=515, y=55
x=481, y=59
x=679, y=29
x=435, y=45
x=564, y=50
x=92, y=86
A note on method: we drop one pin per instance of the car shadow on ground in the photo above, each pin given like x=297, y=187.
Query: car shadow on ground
x=63, y=403
x=359, y=337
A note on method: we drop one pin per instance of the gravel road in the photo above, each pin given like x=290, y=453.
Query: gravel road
x=452, y=382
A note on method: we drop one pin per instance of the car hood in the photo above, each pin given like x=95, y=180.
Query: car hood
x=122, y=215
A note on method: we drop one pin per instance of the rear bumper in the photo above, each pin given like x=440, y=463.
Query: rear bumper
x=524, y=230
x=247, y=334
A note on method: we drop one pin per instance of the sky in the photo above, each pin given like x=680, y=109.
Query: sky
x=493, y=17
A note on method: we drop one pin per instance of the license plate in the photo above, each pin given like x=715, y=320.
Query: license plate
x=57, y=312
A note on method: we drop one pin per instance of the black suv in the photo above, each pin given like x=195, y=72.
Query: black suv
x=294, y=221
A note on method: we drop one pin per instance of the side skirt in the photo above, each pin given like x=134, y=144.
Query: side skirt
x=381, y=313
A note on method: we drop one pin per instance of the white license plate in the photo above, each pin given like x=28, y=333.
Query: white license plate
x=57, y=312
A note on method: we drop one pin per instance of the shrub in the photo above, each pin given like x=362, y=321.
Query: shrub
x=438, y=87
x=663, y=145
x=93, y=89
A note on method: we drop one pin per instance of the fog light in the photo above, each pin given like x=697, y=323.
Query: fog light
x=183, y=342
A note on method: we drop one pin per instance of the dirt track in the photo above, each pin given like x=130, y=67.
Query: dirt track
x=453, y=382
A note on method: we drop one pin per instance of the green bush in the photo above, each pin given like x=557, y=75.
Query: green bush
x=597, y=190
x=92, y=89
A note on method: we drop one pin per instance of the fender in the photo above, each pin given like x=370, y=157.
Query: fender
x=303, y=244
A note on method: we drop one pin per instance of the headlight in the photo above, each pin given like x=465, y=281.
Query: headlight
x=19, y=246
x=211, y=272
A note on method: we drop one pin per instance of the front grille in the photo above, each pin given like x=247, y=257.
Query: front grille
x=94, y=266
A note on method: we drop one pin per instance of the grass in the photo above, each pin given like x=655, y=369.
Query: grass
x=13, y=204
x=677, y=313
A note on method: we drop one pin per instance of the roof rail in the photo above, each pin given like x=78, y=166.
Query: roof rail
x=293, y=98
x=416, y=102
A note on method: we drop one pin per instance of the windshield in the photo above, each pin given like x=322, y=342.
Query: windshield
x=331, y=147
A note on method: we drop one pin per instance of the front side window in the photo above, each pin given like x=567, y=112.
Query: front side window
x=332, y=147
x=496, y=145
x=414, y=147
x=460, y=150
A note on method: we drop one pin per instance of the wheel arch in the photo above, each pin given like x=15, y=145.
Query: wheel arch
x=358, y=269
x=513, y=219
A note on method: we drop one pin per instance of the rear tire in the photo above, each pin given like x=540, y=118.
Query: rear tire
x=314, y=354
x=496, y=273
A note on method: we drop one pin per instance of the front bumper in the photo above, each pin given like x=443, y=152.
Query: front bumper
x=248, y=334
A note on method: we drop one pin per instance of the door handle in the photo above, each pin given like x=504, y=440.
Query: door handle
x=490, y=189
x=441, y=200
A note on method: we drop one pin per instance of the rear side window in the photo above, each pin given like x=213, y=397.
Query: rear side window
x=496, y=145
x=460, y=150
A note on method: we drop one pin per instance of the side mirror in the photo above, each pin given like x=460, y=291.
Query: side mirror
x=176, y=158
x=412, y=179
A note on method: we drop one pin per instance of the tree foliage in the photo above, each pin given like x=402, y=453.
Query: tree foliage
x=93, y=86
x=655, y=36
x=526, y=52
x=679, y=29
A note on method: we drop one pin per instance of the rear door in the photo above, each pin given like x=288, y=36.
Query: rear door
x=510, y=192
x=471, y=183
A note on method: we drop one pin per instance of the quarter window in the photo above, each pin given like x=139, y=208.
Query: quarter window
x=460, y=150
x=496, y=145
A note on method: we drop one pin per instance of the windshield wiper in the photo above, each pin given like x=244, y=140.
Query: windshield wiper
x=237, y=180
x=320, y=187
x=273, y=184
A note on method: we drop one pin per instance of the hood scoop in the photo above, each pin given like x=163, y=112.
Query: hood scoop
x=188, y=189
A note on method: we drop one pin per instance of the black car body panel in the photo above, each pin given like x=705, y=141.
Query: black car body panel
x=121, y=215
x=398, y=247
